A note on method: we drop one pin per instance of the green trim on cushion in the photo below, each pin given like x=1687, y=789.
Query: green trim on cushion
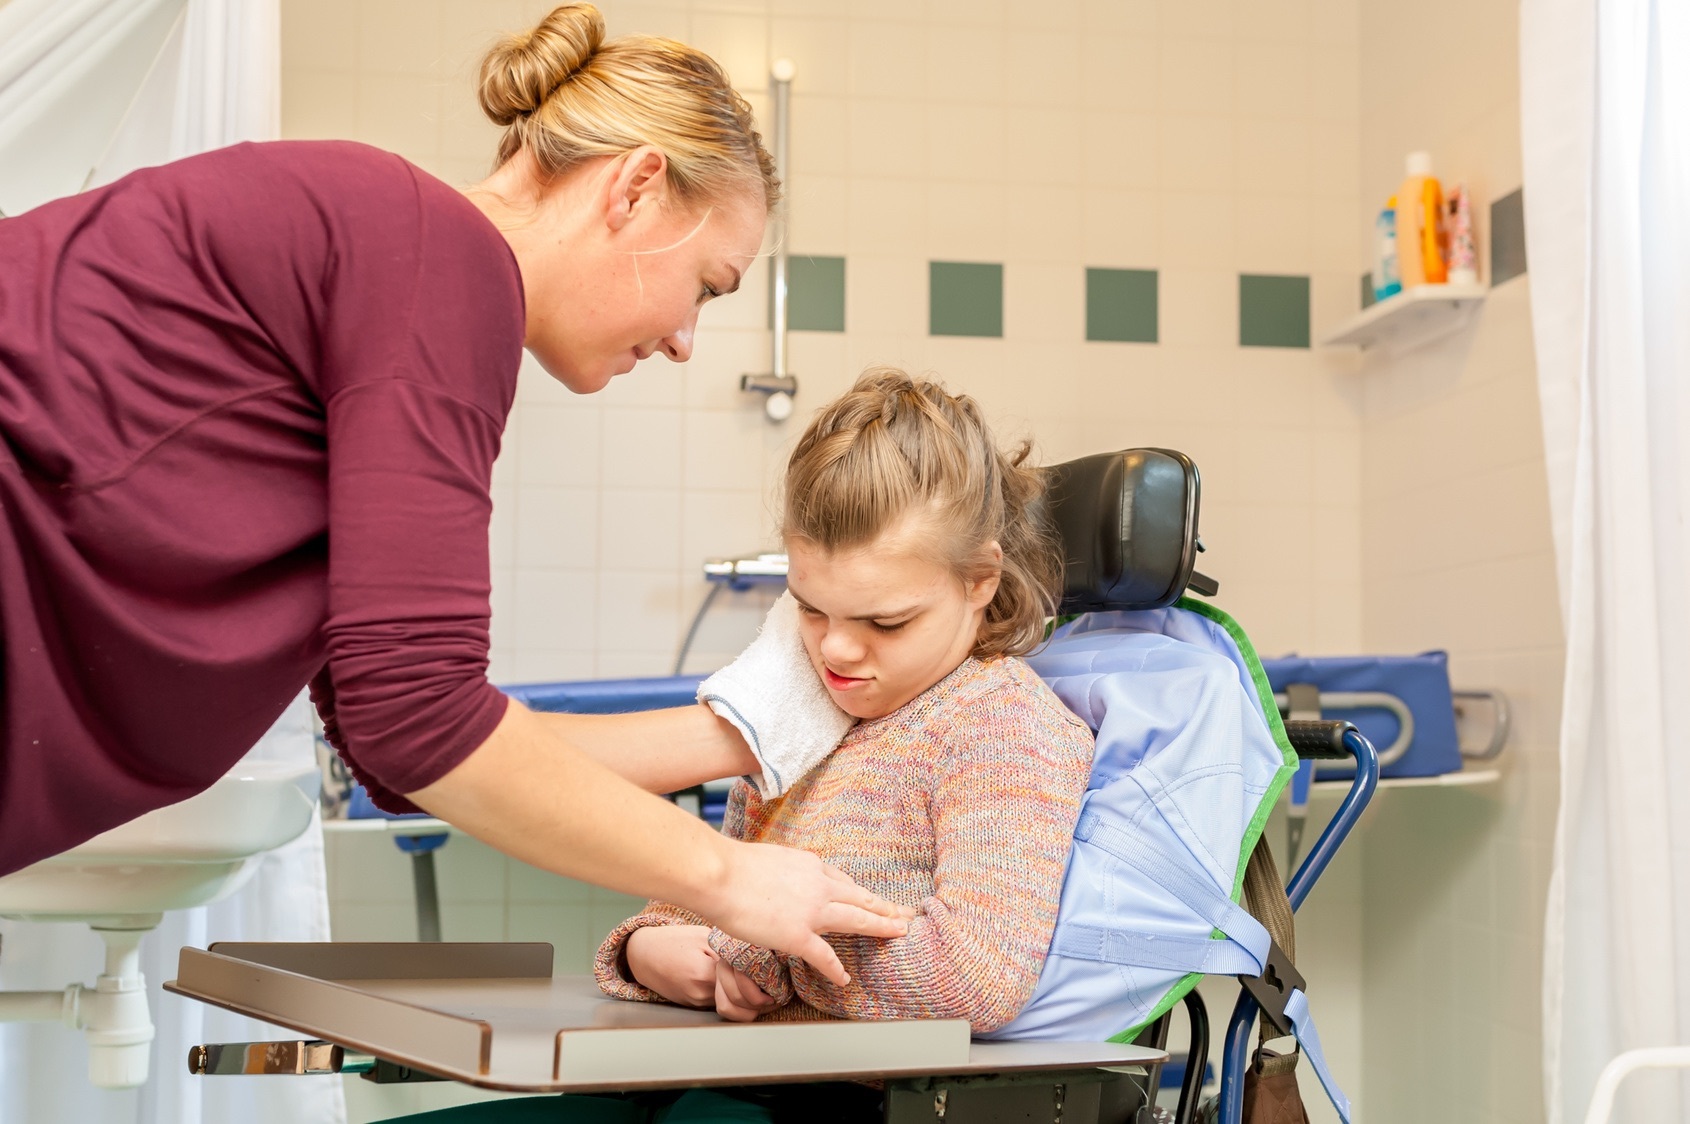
x=1175, y=994
x=1258, y=822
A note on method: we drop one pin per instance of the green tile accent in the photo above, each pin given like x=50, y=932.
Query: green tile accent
x=1273, y=311
x=815, y=294
x=1507, y=237
x=1121, y=305
x=965, y=299
x=1369, y=297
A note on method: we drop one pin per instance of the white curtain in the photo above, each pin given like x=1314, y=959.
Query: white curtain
x=89, y=91
x=1605, y=114
x=93, y=89
x=69, y=72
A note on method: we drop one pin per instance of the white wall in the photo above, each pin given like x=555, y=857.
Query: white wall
x=1456, y=553
x=1199, y=138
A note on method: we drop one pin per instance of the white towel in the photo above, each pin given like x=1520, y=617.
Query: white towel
x=776, y=699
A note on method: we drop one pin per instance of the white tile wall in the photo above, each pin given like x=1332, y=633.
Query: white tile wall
x=1195, y=138
x=1456, y=553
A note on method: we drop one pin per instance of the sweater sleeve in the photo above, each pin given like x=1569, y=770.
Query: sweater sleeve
x=610, y=966
x=1005, y=798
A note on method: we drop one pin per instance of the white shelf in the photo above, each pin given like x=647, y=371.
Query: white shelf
x=1412, y=317
x=1466, y=778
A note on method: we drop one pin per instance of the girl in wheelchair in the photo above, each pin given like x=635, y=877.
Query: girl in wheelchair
x=920, y=577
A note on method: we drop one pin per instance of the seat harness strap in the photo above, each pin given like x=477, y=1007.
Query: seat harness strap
x=1242, y=945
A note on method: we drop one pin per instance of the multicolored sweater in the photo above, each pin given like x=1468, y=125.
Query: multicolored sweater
x=962, y=804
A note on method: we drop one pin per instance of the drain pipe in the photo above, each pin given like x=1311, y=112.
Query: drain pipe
x=40, y=1006
x=112, y=1014
x=779, y=385
x=114, y=1018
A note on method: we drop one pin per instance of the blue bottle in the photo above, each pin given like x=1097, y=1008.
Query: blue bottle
x=1387, y=279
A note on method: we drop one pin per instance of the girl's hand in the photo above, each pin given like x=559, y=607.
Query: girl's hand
x=737, y=998
x=676, y=962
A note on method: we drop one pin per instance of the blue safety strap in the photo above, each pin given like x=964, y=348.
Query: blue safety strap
x=1302, y=1025
x=1245, y=936
x=1195, y=891
x=1168, y=954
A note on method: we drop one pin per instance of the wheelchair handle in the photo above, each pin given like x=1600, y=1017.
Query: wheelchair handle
x=1320, y=740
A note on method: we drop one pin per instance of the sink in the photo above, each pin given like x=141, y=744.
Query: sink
x=123, y=881
x=177, y=857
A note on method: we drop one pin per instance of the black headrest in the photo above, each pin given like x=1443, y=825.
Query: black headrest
x=1128, y=526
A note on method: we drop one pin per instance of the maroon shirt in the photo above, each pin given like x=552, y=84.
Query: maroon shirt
x=249, y=405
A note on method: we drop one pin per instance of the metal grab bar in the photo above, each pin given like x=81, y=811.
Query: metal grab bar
x=779, y=385
x=1500, y=728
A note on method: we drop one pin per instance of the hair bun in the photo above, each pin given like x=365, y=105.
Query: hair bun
x=521, y=72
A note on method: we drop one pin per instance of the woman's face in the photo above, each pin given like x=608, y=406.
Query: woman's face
x=628, y=281
x=885, y=622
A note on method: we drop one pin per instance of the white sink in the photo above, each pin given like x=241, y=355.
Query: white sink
x=185, y=855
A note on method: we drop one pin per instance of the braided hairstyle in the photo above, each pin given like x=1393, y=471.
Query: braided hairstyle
x=896, y=445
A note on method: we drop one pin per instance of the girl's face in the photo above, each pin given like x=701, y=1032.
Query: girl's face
x=885, y=622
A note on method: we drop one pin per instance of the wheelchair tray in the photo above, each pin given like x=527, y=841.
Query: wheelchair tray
x=494, y=1016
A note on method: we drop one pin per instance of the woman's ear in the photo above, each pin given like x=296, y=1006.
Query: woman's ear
x=636, y=181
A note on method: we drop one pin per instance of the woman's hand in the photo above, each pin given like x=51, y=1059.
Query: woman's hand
x=574, y=817
x=784, y=899
x=676, y=962
x=737, y=998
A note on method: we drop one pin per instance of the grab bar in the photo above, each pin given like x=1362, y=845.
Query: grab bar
x=779, y=385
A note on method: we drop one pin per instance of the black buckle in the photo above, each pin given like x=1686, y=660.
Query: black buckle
x=1274, y=986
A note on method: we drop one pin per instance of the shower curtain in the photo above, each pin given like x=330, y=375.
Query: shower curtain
x=91, y=90
x=1605, y=101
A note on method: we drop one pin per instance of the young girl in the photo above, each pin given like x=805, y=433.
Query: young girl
x=920, y=577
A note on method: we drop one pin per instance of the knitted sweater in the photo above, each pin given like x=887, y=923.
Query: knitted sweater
x=962, y=804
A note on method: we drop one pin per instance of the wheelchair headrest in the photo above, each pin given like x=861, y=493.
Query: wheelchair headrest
x=1127, y=522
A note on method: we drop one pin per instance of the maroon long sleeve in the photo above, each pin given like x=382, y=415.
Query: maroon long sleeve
x=249, y=405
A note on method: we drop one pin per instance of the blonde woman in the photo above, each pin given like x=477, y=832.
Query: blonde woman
x=249, y=405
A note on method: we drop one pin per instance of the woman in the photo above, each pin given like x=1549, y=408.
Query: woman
x=250, y=403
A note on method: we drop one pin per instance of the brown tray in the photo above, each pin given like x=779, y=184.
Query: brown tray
x=494, y=1016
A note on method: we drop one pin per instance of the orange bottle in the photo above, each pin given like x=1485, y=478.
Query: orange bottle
x=1422, y=244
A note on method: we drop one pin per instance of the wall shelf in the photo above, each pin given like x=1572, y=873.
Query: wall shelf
x=1411, y=318
x=1464, y=778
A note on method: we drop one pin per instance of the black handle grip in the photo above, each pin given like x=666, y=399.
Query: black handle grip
x=1323, y=740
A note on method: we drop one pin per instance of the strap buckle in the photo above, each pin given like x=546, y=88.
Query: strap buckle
x=1272, y=989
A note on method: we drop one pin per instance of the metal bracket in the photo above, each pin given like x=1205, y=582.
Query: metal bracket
x=1502, y=722
x=1274, y=986
x=292, y=1059
x=779, y=390
x=297, y=1058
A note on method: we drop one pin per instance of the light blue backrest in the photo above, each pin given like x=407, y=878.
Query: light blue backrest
x=1190, y=752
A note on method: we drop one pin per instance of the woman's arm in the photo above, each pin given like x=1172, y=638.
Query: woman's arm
x=537, y=797
x=1004, y=805
x=659, y=750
